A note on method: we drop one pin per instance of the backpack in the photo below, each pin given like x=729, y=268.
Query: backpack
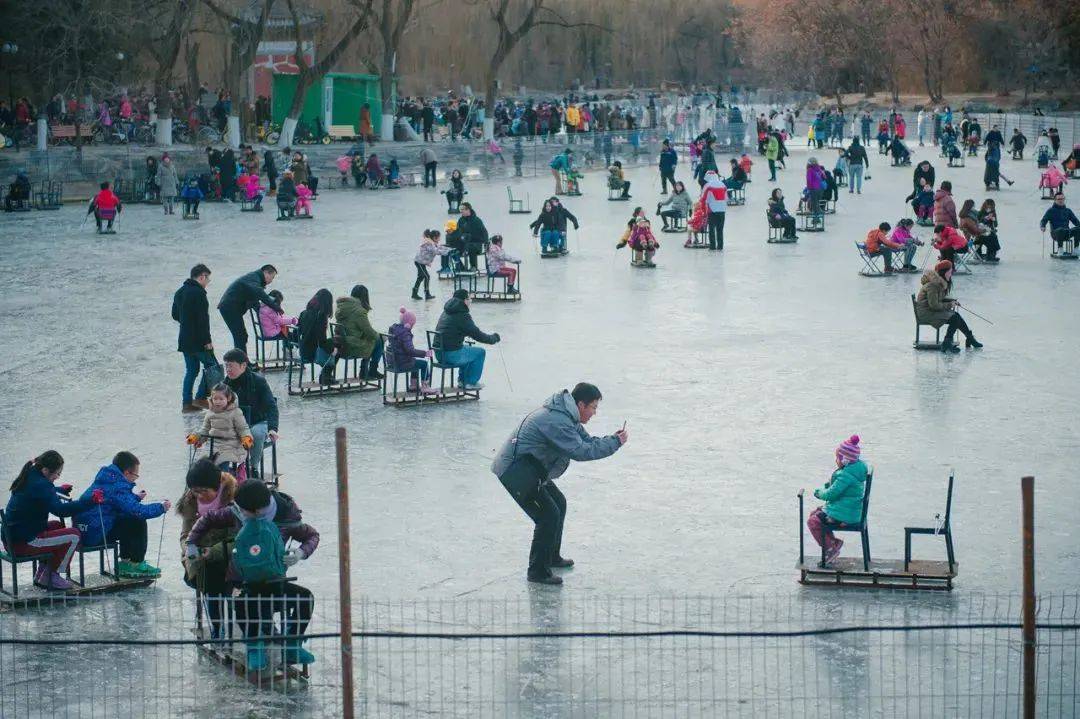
x=259, y=552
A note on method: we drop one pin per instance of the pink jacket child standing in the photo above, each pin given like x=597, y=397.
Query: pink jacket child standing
x=274, y=324
x=303, y=200
x=1052, y=178
x=344, y=166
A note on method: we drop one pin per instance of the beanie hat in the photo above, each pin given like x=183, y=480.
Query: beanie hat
x=849, y=451
x=407, y=318
x=462, y=294
x=943, y=266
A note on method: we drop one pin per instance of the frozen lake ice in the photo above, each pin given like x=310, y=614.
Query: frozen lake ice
x=738, y=373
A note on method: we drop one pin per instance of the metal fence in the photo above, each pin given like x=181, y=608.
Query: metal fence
x=1068, y=126
x=478, y=161
x=844, y=654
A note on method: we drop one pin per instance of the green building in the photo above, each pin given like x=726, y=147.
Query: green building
x=337, y=99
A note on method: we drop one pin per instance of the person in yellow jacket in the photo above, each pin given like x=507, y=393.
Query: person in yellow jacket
x=573, y=117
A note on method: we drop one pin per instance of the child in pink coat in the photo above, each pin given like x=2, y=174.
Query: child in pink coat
x=643, y=243
x=303, y=200
x=1052, y=178
x=344, y=166
x=253, y=191
x=275, y=325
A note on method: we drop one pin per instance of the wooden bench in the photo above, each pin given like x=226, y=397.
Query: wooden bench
x=342, y=132
x=62, y=132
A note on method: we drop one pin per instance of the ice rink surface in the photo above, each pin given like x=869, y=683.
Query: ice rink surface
x=737, y=373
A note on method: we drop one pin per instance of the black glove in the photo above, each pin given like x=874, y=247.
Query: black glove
x=497, y=338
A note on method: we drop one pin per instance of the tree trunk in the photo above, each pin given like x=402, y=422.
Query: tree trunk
x=310, y=76
x=163, y=133
x=191, y=53
x=386, y=90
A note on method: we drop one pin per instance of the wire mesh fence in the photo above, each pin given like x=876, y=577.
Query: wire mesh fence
x=847, y=654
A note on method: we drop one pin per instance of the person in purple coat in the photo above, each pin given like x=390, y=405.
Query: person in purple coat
x=815, y=185
x=401, y=354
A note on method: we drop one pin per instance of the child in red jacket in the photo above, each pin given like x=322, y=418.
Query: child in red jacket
x=948, y=241
x=105, y=206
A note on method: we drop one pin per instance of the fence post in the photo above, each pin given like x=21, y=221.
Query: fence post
x=1026, y=492
x=344, y=577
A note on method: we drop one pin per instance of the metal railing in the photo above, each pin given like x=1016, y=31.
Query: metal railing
x=859, y=654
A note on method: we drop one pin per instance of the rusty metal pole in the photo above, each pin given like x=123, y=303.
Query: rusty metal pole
x=1027, y=485
x=344, y=577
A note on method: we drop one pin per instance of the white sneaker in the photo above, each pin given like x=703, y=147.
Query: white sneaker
x=474, y=387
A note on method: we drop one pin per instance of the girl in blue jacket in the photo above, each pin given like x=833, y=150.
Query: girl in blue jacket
x=27, y=528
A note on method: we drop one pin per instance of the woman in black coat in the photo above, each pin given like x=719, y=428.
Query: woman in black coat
x=923, y=169
x=227, y=168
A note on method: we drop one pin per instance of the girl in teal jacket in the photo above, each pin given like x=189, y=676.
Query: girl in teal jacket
x=843, y=495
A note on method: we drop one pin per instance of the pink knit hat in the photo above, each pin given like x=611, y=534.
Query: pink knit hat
x=849, y=451
x=409, y=319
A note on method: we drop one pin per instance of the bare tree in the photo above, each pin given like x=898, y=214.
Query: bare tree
x=72, y=46
x=534, y=14
x=310, y=74
x=166, y=25
x=245, y=32
x=393, y=18
x=931, y=36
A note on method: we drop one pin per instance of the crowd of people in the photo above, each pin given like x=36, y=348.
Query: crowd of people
x=226, y=497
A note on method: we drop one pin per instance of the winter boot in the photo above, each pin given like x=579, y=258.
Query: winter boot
x=428, y=296
x=327, y=375
x=972, y=343
x=147, y=569
x=57, y=583
x=425, y=388
x=561, y=563
x=949, y=346
x=416, y=295
x=127, y=569
x=256, y=659
x=547, y=578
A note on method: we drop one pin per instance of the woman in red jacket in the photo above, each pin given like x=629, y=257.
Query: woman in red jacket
x=105, y=206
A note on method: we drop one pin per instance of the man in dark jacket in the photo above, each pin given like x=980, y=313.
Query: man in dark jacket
x=857, y=162
x=707, y=161
x=254, y=398
x=668, y=159
x=470, y=236
x=191, y=309
x=271, y=171
x=561, y=216
x=1060, y=217
x=427, y=115
x=245, y=293
x=454, y=326
x=538, y=452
